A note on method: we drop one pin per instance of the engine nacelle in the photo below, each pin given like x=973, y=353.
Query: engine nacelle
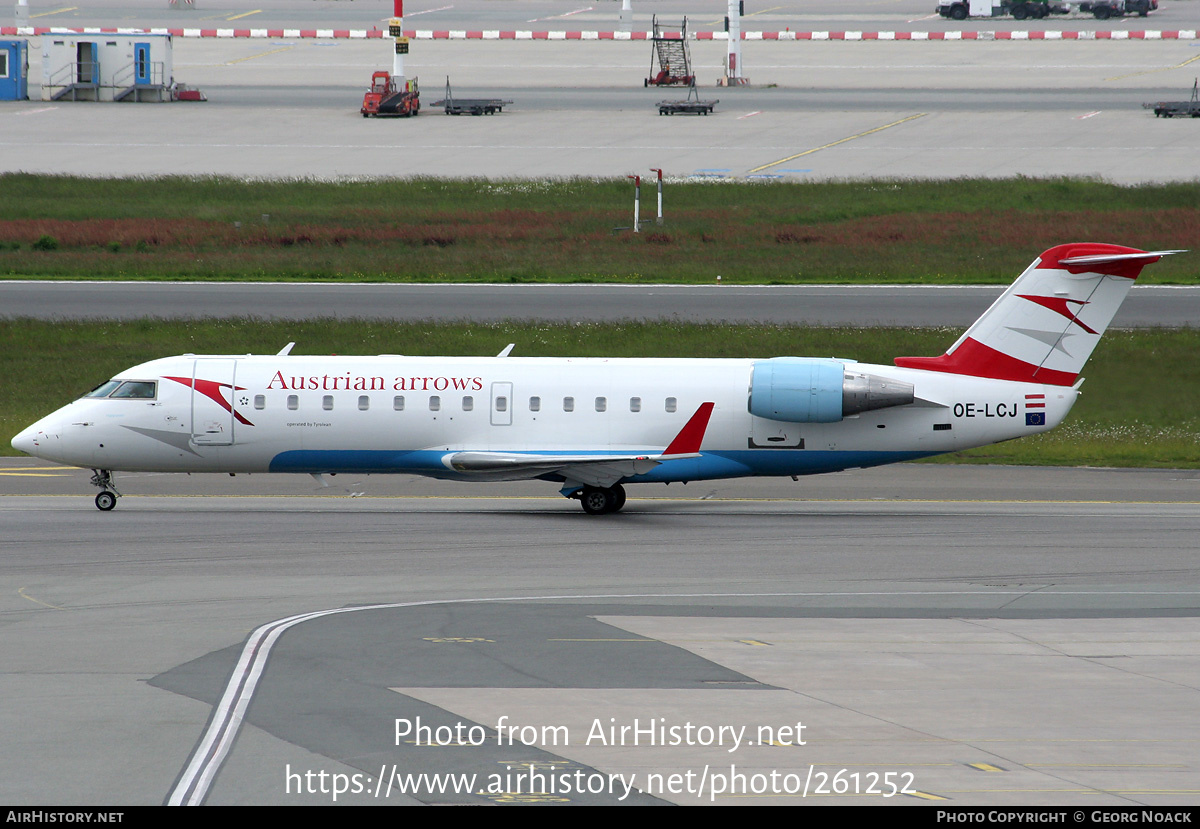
x=802, y=390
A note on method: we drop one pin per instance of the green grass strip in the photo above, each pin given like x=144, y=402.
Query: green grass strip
x=961, y=231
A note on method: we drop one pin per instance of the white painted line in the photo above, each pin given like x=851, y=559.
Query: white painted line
x=427, y=11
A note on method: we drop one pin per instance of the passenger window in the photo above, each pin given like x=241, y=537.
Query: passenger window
x=601, y=404
x=535, y=404
x=327, y=402
x=364, y=402
x=468, y=403
x=502, y=404
x=671, y=404
x=293, y=402
x=260, y=401
x=135, y=390
x=568, y=404
x=635, y=404
x=435, y=403
x=398, y=403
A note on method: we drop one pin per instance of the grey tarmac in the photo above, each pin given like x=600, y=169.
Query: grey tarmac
x=886, y=610
x=286, y=108
x=836, y=305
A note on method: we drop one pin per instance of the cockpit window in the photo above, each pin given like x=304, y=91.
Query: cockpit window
x=104, y=389
x=135, y=390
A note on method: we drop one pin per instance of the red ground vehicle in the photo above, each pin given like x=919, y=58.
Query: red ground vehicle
x=384, y=98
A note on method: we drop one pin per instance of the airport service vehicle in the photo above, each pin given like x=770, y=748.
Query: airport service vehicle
x=593, y=425
x=1020, y=9
x=1104, y=9
x=386, y=97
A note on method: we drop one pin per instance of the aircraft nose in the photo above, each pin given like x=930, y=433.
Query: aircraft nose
x=30, y=441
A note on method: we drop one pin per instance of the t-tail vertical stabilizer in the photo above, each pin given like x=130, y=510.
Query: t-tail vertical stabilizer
x=1045, y=326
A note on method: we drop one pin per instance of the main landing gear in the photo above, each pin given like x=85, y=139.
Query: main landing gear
x=107, y=499
x=598, y=500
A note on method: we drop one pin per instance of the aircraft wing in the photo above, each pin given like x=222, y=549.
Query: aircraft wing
x=599, y=470
x=594, y=470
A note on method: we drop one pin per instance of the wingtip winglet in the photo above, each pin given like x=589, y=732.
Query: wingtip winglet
x=688, y=441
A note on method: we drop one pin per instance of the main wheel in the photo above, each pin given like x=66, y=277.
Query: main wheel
x=598, y=500
x=619, y=497
x=106, y=501
x=959, y=12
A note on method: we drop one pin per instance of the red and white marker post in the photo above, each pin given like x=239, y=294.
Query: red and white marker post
x=659, y=220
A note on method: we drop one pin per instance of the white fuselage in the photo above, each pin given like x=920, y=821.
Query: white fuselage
x=391, y=414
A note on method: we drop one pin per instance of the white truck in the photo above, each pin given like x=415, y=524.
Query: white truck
x=1020, y=9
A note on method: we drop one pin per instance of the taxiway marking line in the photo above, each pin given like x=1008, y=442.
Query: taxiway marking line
x=752, y=14
x=244, y=14
x=21, y=592
x=560, y=16
x=56, y=11
x=259, y=55
x=839, y=141
x=1152, y=71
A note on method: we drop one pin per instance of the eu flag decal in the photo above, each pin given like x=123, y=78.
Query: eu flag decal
x=1035, y=418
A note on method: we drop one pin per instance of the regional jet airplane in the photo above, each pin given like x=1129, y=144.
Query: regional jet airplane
x=596, y=425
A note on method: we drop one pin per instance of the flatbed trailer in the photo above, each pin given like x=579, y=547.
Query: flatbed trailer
x=686, y=107
x=692, y=104
x=1178, y=109
x=1175, y=109
x=470, y=106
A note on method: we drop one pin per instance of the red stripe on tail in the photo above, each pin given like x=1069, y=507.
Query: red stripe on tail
x=975, y=359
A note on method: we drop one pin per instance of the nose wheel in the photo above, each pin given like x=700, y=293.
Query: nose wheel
x=598, y=500
x=107, y=499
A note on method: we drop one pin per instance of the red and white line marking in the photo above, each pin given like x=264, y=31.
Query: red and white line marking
x=496, y=34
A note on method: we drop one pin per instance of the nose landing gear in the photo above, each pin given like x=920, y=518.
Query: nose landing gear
x=107, y=498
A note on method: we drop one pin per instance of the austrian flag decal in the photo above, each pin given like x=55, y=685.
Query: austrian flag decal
x=1035, y=410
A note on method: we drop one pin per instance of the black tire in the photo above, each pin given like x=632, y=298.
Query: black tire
x=1020, y=12
x=619, y=497
x=597, y=500
x=1102, y=12
x=958, y=12
x=1040, y=10
x=105, y=501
